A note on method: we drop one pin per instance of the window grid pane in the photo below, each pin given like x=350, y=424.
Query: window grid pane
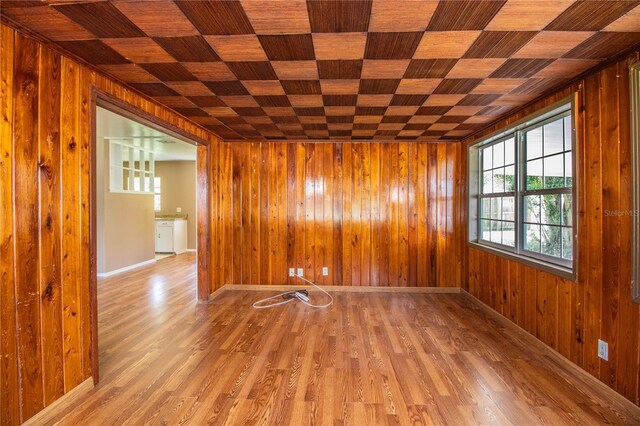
x=498, y=167
x=497, y=218
x=548, y=156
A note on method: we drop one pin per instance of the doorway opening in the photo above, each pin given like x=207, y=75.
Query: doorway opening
x=146, y=195
x=149, y=206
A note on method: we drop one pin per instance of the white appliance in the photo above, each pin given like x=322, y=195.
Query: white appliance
x=171, y=236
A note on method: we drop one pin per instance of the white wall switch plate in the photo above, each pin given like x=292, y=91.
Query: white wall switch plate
x=300, y=272
x=603, y=350
x=325, y=271
x=292, y=272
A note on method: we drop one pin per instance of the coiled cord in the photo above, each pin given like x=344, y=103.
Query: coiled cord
x=259, y=304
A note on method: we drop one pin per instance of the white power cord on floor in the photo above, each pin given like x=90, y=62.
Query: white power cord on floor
x=300, y=295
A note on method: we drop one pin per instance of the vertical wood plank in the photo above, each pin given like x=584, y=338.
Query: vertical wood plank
x=265, y=219
x=441, y=215
x=412, y=212
x=394, y=200
x=269, y=221
x=9, y=386
x=87, y=78
x=71, y=278
x=300, y=209
x=376, y=246
x=347, y=180
x=593, y=205
x=318, y=213
x=236, y=249
x=403, y=214
x=356, y=214
x=328, y=195
x=227, y=213
x=27, y=236
x=309, y=187
x=385, y=214
x=337, y=215
x=247, y=244
x=422, y=253
x=50, y=244
x=255, y=209
x=203, y=157
x=282, y=202
x=292, y=208
x=365, y=217
x=610, y=222
x=432, y=214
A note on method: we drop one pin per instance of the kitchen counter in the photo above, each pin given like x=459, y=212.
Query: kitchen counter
x=177, y=216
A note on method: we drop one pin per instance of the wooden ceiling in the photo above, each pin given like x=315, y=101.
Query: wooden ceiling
x=357, y=70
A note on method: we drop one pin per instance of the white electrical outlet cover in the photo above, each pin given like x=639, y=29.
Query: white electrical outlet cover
x=292, y=272
x=603, y=350
x=325, y=271
x=178, y=209
x=300, y=272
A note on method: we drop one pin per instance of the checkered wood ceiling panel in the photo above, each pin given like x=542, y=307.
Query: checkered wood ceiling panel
x=358, y=70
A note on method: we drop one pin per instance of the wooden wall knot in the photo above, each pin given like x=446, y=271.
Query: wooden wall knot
x=48, y=291
x=29, y=87
x=72, y=144
x=44, y=166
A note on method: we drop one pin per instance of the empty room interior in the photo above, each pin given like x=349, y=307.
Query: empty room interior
x=320, y=212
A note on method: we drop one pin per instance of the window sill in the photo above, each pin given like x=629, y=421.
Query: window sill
x=557, y=270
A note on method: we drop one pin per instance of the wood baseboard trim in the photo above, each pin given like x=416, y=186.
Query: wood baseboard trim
x=334, y=289
x=616, y=398
x=217, y=293
x=66, y=399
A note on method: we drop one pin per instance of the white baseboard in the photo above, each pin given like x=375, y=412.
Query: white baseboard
x=126, y=268
x=193, y=250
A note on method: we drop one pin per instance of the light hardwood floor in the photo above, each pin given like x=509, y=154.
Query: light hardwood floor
x=374, y=358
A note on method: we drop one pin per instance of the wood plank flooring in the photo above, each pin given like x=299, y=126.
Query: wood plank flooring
x=374, y=358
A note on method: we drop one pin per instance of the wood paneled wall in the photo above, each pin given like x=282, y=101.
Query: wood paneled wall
x=371, y=212
x=45, y=221
x=571, y=316
x=376, y=214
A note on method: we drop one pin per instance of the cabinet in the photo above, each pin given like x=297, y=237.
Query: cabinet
x=171, y=236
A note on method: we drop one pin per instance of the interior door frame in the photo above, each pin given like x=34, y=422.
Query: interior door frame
x=101, y=99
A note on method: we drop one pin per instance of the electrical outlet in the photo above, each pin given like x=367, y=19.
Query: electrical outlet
x=300, y=272
x=292, y=272
x=603, y=350
x=325, y=271
x=178, y=209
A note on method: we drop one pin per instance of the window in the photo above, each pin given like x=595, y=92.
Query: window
x=157, y=205
x=521, y=191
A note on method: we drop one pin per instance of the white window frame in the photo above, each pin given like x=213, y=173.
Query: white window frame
x=157, y=192
x=558, y=266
